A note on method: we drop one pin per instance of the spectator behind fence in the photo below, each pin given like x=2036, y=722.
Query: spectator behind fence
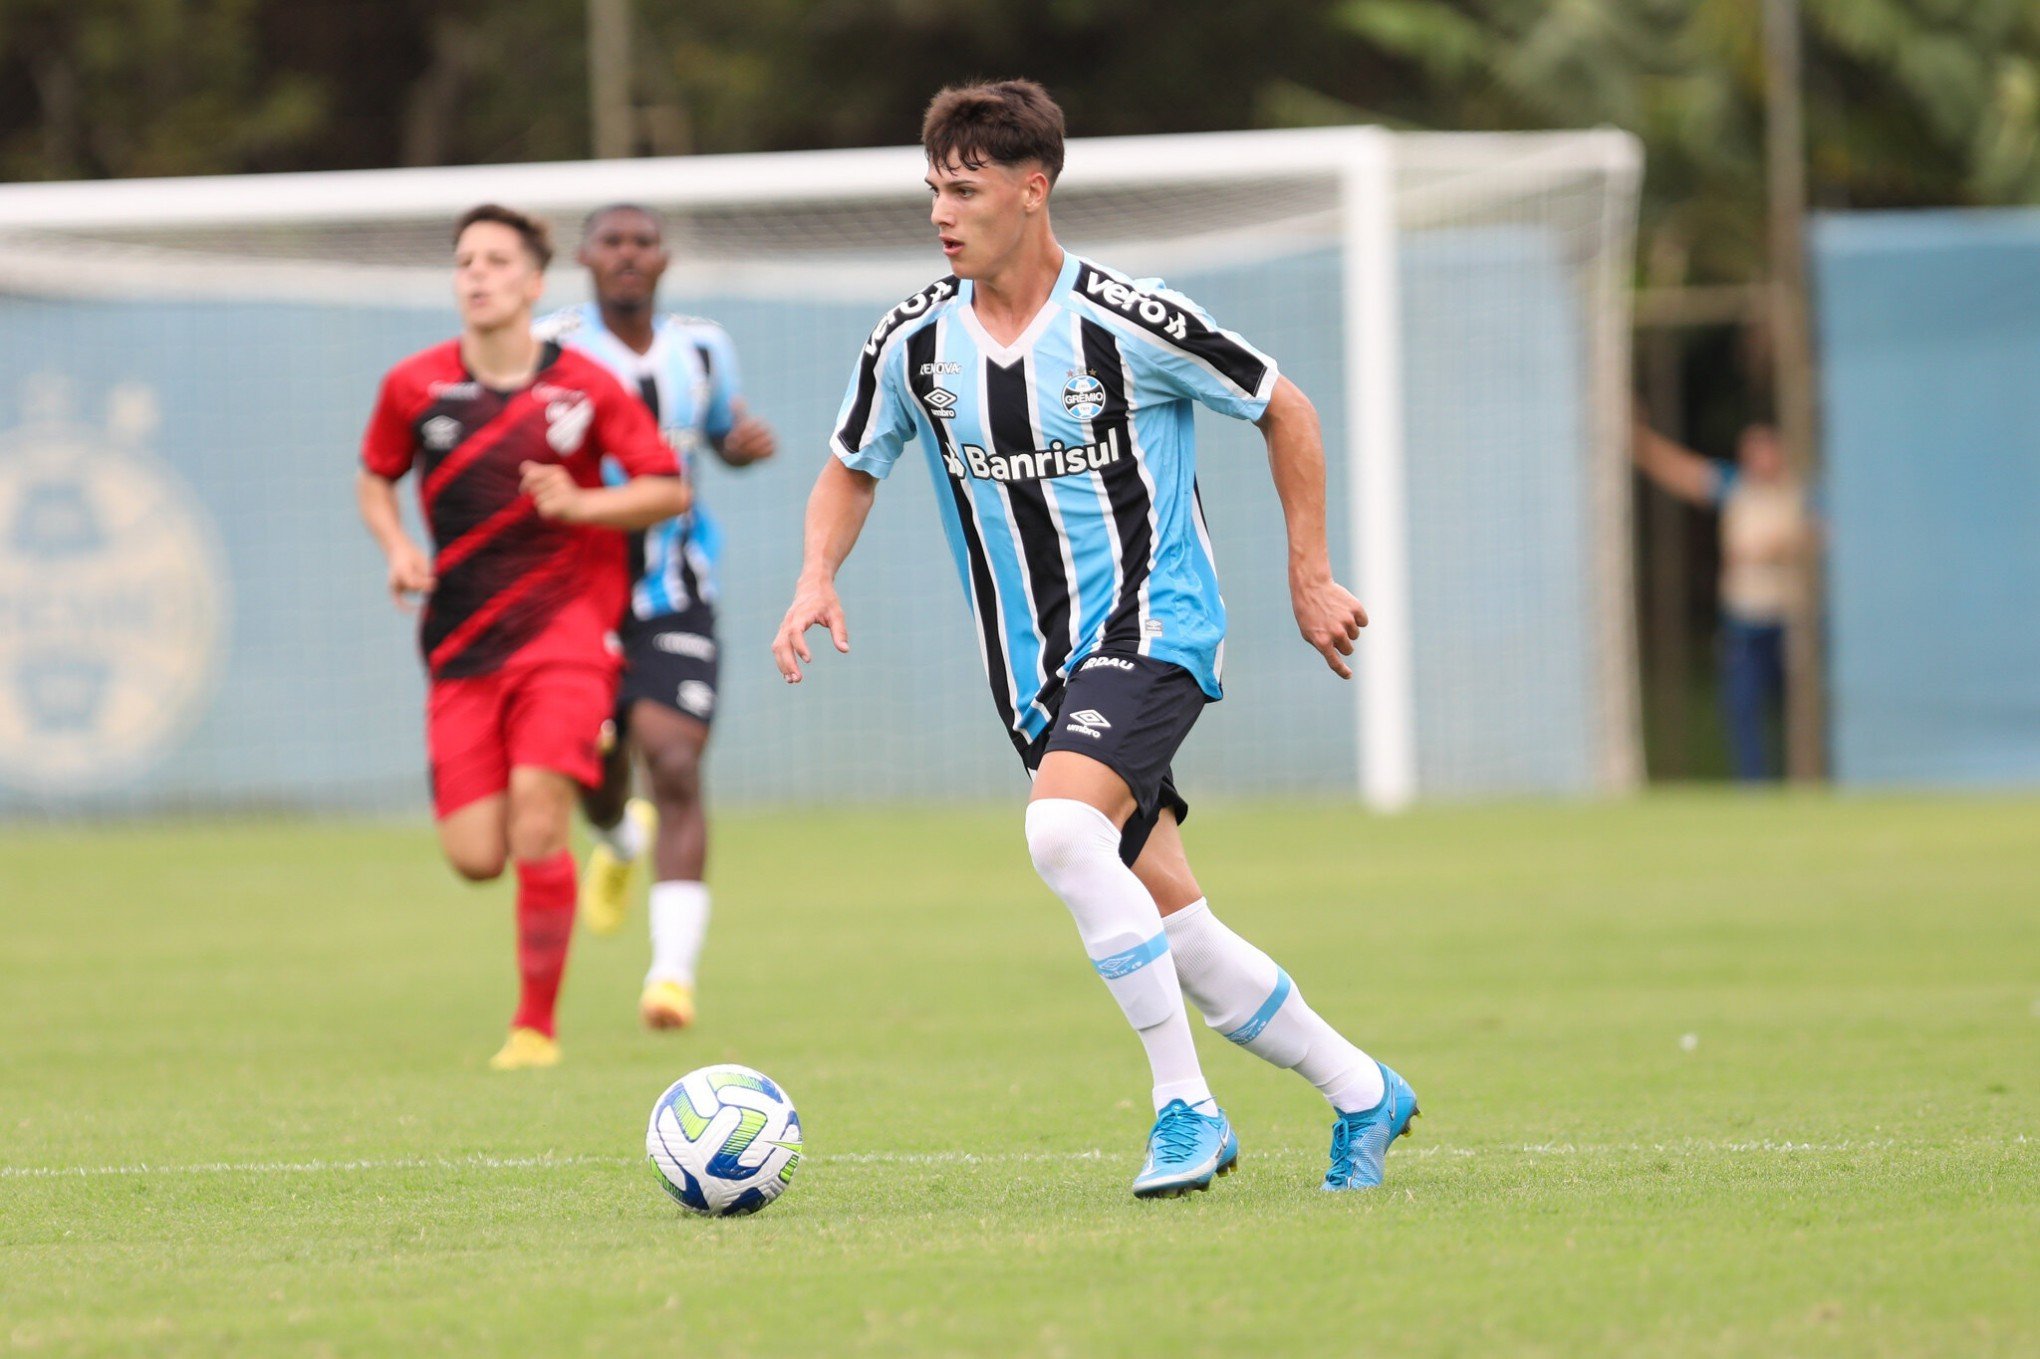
x=1767, y=532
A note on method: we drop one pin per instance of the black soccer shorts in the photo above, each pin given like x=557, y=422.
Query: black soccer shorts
x=1130, y=713
x=670, y=660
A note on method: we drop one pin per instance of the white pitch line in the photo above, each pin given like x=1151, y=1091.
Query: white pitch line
x=954, y=1158
x=1422, y=1151
x=304, y=1167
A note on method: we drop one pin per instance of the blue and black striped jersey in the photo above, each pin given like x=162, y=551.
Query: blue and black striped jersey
x=689, y=379
x=1065, y=468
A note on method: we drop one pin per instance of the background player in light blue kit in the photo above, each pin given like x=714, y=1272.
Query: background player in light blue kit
x=685, y=369
x=1053, y=397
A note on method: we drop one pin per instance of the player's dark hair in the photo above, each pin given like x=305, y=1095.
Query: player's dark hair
x=1003, y=122
x=588, y=222
x=537, y=237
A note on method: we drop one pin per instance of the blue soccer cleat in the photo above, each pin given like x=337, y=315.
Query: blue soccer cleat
x=1186, y=1151
x=1360, y=1141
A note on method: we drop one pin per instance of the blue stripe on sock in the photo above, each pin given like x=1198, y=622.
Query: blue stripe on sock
x=1132, y=960
x=1249, y=1031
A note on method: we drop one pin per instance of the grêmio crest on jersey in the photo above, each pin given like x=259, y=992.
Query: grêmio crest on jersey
x=1064, y=466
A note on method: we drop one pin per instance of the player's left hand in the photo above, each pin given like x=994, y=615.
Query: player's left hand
x=1329, y=618
x=749, y=440
x=553, y=490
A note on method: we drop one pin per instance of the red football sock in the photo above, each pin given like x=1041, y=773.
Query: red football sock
x=545, y=926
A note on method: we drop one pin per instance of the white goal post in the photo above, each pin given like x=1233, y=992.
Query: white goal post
x=1455, y=303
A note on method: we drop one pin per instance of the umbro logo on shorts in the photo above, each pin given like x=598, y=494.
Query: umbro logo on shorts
x=1090, y=722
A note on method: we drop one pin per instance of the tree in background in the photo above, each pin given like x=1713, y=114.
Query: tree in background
x=145, y=87
x=1909, y=101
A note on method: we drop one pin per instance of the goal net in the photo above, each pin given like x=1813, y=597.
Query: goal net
x=191, y=618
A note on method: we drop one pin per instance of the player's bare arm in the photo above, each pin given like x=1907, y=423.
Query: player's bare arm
x=1327, y=615
x=637, y=504
x=410, y=574
x=749, y=440
x=836, y=512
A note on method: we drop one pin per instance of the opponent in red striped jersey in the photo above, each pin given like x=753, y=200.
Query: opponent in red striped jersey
x=507, y=436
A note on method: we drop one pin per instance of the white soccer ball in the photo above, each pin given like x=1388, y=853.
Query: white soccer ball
x=725, y=1140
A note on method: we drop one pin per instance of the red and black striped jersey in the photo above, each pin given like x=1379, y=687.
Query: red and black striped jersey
x=510, y=585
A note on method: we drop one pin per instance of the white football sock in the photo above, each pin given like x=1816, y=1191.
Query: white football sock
x=1247, y=998
x=625, y=839
x=679, y=912
x=1076, y=850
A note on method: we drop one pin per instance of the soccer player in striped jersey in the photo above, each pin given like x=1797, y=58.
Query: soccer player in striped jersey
x=685, y=370
x=508, y=435
x=1052, y=398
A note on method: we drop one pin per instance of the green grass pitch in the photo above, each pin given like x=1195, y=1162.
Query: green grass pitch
x=1702, y=1075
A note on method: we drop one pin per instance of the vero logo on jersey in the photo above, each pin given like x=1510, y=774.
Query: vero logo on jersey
x=1057, y=460
x=1133, y=302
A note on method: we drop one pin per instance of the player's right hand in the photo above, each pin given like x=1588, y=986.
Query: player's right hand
x=1329, y=618
x=410, y=577
x=813, y=603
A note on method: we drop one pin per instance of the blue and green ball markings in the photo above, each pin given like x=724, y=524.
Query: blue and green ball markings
x=700, y=1154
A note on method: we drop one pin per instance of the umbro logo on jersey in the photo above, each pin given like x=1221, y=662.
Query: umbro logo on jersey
x=941, y=403
x=441, y=432
x=567, y=421
x=1057, y=460
x=1090, y=722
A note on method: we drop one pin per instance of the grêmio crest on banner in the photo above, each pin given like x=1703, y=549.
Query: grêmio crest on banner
x=113, y=595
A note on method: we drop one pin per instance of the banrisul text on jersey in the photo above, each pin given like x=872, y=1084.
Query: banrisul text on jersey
x=1065, y=468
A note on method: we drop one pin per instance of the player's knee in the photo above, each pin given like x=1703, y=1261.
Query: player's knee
x=536, y=833
x=1064, y=836
x=475, y=864
x=675, y=774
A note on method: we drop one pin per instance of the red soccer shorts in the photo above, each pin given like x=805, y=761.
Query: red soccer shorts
x=550, y=716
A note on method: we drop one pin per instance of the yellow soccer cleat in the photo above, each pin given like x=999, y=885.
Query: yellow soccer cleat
x=524, y=1050
x=667, y=1005
x=607, y=882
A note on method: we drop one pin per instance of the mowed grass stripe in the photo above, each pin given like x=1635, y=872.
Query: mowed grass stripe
x=1701, y=1076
